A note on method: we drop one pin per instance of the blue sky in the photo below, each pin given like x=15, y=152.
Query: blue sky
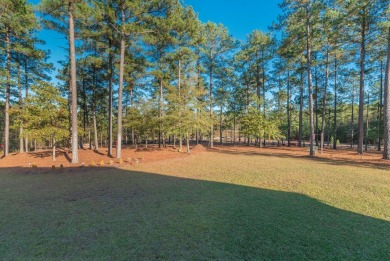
x=239, y=16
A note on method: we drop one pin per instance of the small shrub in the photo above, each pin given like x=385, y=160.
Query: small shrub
x=53, y=167
x=34, y=165
x=102, y=163
x=92, y=164
x=111, y=162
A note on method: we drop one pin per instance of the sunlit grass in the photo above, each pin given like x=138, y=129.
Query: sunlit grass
x=211, y=206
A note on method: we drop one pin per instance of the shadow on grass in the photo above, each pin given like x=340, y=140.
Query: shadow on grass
x=339, y=162
x=95, y=213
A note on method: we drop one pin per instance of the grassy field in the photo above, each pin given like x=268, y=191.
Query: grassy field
x=212, y=206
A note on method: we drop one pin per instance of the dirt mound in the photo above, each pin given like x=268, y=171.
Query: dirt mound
x=199, y=148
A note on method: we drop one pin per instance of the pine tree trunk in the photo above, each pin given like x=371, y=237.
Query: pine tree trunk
x=380, y=108
x=386, y=150
x=85, y=108
x=132, y=136
x=288, y=110
x=352, y=115
x=234, y=130
x=324, y=100
x=309, y=80
x=73, y=87
x=335, y=107
x=211, y=107
x=220, y=126
x=21, y=140
x=120, y=90
x=367, y=121
x=361, y=90
x=160, y=103
x=263, y=86
x=300, y=113
x=7, y=94
x=95, y=131
x=26, y=97
x=110, y=111
x=316, y=103
x=188, y=142
x=54, y=150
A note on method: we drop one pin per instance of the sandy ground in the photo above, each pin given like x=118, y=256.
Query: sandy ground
x=142, y=155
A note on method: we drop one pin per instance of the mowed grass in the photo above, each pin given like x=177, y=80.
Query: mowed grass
x=214, y=206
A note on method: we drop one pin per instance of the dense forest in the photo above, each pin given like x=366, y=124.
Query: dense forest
x=139, y=72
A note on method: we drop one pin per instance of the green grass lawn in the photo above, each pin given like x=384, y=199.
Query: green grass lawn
x=215, y=206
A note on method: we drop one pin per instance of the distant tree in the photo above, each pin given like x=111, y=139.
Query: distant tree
x=217, y=43
x=46, y=115
x=17, y=20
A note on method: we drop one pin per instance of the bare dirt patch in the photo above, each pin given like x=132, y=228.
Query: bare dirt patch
x=152, y=153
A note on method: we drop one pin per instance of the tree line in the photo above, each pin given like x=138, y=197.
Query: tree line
x=138, y=71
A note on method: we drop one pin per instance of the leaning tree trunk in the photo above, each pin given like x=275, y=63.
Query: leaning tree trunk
x=73, y=87
x=386, y=150
x=361, y=90
x=120, y=91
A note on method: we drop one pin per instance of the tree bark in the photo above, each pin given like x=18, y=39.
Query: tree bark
x=300, y=112
x=7, y=94
x=367, y=121
x=335, y=107
x=160, y=110
x=288, y=110
x=361, y=90
x=211, y=106
x=73, y=86
x=309, y=80
x=352, y=115
x=120, y=90
x=324, y=100
x=220, y=126
x=54, y=150
x=21, y=140
x=380, y=108
x=95, y=131
x=110, y=112
x=26, y=97
x=386, y=150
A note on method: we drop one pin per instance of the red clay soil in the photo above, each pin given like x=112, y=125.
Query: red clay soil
x=142, y=155
x=43, y=158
